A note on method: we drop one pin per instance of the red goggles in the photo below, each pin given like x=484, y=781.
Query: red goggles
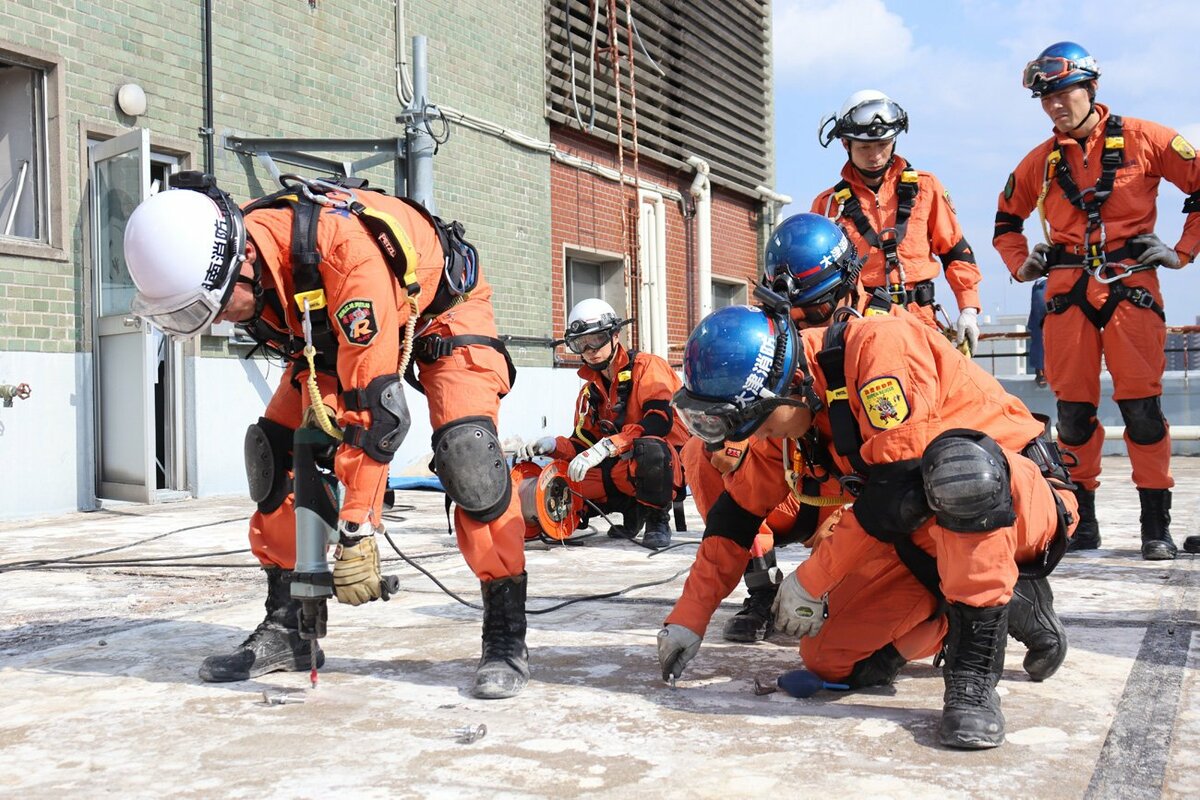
x=1041, y=71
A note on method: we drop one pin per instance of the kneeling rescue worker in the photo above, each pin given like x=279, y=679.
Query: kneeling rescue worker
x=346, y=284
x=953, y=529
x=624, y=451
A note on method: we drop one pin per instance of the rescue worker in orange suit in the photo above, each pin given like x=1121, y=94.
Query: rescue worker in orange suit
x=899, y=218
x=969, y=519
x=288, y=270
x=624, y=451
x=1094, y=184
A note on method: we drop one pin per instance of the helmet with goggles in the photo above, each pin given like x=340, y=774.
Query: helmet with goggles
x=739, y=365
x=591, y=325
x=868, y=115
x=1059, y=66
x=184, y=248
x=812, y=263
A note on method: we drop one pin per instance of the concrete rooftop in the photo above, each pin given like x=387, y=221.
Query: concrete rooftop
x=100, y=696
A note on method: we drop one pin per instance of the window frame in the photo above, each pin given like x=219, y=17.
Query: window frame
x=736, y=284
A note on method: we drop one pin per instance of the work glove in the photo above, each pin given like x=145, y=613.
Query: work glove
x=967, y=328
x=589, y=458
x=677, y=646
x=1035, y=263
x=1158, y=253
x=356, y=577
x=797, y=612
x=538, y=447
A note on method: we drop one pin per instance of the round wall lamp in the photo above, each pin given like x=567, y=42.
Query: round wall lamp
x=131, y=99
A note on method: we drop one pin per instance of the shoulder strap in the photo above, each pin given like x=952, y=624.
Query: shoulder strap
x=832, y=358
x=624, y=389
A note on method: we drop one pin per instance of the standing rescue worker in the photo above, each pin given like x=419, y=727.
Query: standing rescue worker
x=303, y=266
x=1094, y=184
x=624, y=451
x=961, y=505
x=900, y=218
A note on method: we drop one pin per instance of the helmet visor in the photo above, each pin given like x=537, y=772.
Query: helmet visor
x=588, y=341
x=183, y=315
x=716, y=421
x=873, y=120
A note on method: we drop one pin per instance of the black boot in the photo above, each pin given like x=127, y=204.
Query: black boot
x=1156, y=520
x=1087, y=535
x=503, y=669
x=1192, y=543
x=1033, y=623
x=632, y=521
x=878, y=669
x=275, y=645
x=658, y=528
x=754, y=621
x=974, y=649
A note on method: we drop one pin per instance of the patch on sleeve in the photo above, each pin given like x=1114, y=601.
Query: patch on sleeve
x=357, y=318
x=1010, y=186
x=949, y=202
x=884, y=401
x=1181, y=146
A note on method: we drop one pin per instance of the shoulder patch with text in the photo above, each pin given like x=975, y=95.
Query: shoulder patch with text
x=1009, y=186
x=884, y=401
x=357, y=318
x=1181, y=146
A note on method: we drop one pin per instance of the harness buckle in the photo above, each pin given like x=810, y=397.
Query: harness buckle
x=1140, y=297
x=1057, y=304
x=852, y=484
x=428, y=349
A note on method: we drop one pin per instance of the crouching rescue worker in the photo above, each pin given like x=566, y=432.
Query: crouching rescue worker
x=301, y=271
x=961, y=507
x=624, y=451
x=1095, y=183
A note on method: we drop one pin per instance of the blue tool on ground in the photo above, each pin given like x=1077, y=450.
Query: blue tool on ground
x=802, y=683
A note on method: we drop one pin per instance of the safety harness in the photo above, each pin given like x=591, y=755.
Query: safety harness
x=887, y=240
x=620, y=408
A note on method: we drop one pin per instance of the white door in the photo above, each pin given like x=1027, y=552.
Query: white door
x=125, y=349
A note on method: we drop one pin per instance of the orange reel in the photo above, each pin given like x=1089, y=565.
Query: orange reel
x=550, y=503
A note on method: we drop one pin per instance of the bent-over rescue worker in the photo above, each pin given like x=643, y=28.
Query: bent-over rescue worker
x=624, y=450
x=1094, y=183
x=900, y=218
x=302, y=266
x=958, y=496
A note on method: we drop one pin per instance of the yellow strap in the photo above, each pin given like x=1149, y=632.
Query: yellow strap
x=579, y=432
x=406, y=246
x=315, y=298
x=820, y=502
x=1052, y=159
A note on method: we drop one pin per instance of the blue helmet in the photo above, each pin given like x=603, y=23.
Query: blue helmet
x=811, y=262
x=1060, y=65
x=738, y=367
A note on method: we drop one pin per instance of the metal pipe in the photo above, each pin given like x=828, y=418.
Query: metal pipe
x=16, y=203
x=701, y=190
x=420, y=143
x=207, y=130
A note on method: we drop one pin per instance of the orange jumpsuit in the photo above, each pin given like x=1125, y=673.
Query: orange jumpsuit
x=1132, y=342
x=367, y=311
x=646, y=413
x=932, y=233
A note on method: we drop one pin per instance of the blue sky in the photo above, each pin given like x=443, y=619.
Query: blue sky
x=955, y=67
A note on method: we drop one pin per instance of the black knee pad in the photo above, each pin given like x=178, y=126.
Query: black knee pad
x=967, y=482
x=1144, y=420
x=653, y=471
x=1076, y=422
x=268, y=455
x=470, y=462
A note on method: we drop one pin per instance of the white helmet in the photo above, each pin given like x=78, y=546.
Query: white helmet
x=868, y=115
x=591, y=324
x=184, y=249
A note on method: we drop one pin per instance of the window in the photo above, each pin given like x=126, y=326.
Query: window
x=726, y=293
x=595, y=276
x=24, y=210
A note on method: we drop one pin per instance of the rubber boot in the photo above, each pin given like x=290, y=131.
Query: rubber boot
x=658, y=528
x=274, y=646
x=974, y=649
x=755, y=619
x=632, y=521
x=1087, y=534
x=503, y=668
x=878, y=669
x=1156, y=520
x=1033, y=622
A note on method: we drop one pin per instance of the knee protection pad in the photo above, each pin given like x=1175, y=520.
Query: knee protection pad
x=468, y=458
x=1144, y=421
x=967, y=482
x=390, y=420
x=653, y=471
x=1076, y=422
x=268, y=455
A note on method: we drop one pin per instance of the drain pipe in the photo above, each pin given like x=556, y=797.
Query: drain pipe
x=207, y=130
x=420, y=143
x=701, y=192
x=652, y=256
x=773, y=203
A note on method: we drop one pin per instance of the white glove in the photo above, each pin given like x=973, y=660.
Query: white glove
x=538, y=447
x=1035, y=263
x=1158, y=253
x=798, y=613
x=589, y=458
x=677, y=646
x=967, y=328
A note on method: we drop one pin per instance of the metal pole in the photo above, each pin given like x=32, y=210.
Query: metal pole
x=420, y=143
x=12, y=212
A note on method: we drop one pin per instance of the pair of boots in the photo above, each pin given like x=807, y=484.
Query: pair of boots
x=656, y=520
x=1157, y=544
x=276, y=646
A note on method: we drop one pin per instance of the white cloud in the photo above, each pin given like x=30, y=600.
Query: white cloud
x=821, y=38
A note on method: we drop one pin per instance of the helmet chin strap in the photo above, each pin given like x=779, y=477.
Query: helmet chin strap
x=876, y=174
x=256, y=287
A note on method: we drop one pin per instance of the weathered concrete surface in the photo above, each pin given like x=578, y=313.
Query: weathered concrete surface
x=99, y=690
